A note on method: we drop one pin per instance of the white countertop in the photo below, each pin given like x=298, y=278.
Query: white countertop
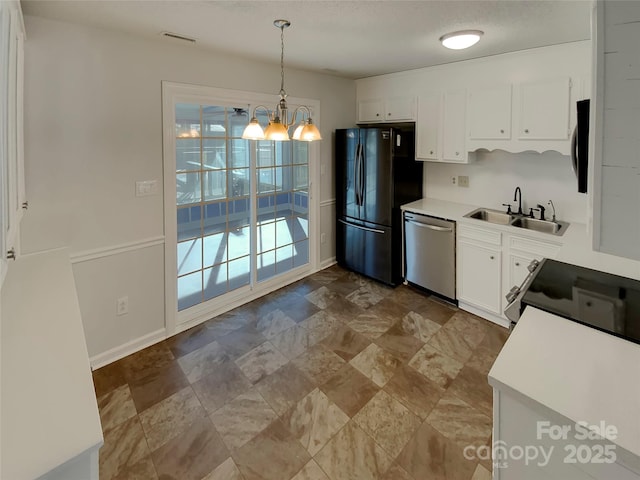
x=575, y=243
x=579, y=372
x=49, y=410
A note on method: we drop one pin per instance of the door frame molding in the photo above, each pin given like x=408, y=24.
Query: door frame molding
x=172, y=94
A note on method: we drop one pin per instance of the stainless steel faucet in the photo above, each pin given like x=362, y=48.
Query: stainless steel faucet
x=553, y=219
x=518, y=195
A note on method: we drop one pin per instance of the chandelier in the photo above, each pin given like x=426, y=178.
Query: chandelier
x=279, y=123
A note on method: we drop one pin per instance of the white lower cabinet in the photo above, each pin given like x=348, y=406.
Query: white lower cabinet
x=521, y=424
x=490, y=262
x=479, y=269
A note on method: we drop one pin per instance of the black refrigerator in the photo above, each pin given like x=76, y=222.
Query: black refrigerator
x=376, y=173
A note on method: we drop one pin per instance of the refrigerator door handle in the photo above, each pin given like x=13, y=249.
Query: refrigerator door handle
x=362, y=172
x=356, y=171
x=374, y=230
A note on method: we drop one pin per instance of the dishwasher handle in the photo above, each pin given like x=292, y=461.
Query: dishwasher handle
x=430, y=227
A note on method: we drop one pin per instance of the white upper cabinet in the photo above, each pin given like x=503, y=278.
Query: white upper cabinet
x=453, y=127
x=392, y=109
x=490, y=113
x=428, y=127
x=544, y=110
x=440, y=127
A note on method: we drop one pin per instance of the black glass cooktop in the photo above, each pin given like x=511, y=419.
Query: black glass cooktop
x=607, y=302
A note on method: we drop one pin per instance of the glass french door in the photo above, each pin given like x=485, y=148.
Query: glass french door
x=242, y=206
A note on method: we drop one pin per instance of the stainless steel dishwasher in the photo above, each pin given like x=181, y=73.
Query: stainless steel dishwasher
x=430, y=253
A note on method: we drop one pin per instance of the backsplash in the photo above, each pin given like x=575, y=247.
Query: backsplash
x=494, y=176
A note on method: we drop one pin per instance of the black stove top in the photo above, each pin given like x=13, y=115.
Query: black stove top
x=607, y=302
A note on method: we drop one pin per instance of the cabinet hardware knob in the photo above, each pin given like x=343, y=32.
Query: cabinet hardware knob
x=389, y=114
x=431, y=152
x=25, y=205
x=492, y=257
x=11, y=254
x=457, y=153
x=526, y=130
x=501, y=131
x=377, y=114
x=517, y=264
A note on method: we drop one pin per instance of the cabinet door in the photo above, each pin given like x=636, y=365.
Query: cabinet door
x=453, y=127
x=370, y=110
x=544, y=110
x=479, y=276
x=428, y=127
x=489, y=113
x=400, y=108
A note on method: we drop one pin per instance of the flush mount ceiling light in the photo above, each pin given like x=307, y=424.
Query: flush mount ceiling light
x=279, y=123
x=462, y=39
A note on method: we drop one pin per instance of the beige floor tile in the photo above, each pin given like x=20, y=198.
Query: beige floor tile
x=116, y=407
x=169, y=418
x=261, y=361
x=420, y=327
x=430, y=455
x=481, y=473
x=396, y=472
x=414, y=391
x=227, y=470
x=314, y=420
x=352, y=454
x=283, y=388
x=436, y=366
x=243, y=418
x=401, y=344
x=143, y=470
x=349, y=389
x=294, y=341
x=371, y=325
x=376, y=364
x=239, y=342
x=203, y=361
x=321, y=297
x=192, y=454
x=436, y=311
x=318, y=364
x=473, y=387
x=220, y=386
x=124, y=447
x=273, y=323
x=345, y=343
x=272, y=455
x=364, y=297
x=389, y=422
x=460, y=422
x=320, y=325
x=311, y=471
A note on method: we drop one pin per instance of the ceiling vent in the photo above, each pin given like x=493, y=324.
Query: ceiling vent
x=177, y=36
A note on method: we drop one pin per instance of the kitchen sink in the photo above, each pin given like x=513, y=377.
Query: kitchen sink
x=518, y=221
x=491, y=216
x=538, y=225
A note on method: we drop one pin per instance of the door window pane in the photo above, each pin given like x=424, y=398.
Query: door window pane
x=215, y=169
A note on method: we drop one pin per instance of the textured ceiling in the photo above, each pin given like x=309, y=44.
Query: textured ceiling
x=347, y=38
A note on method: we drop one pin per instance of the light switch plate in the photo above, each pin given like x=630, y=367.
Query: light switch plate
x=146, y=187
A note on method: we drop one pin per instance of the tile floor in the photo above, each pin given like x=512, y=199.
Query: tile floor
x=335, y=377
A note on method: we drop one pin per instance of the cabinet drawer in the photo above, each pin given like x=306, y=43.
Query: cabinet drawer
x=481, y=234
x=534, y=247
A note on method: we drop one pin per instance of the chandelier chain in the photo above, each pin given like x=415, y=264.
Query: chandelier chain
x=282, y=92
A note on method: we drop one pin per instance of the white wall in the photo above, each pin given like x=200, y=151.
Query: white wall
x=93, y=127
x=493, y=177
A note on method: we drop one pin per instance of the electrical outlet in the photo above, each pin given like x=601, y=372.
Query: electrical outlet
x=323, y=238
x=122, y=306
x=463, y=181
x=146, y=187
x=453, y=180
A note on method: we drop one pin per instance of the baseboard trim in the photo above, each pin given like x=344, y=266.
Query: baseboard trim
x=327, y=263
x=128, y=348
x=97, y=253
x=484, y=314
